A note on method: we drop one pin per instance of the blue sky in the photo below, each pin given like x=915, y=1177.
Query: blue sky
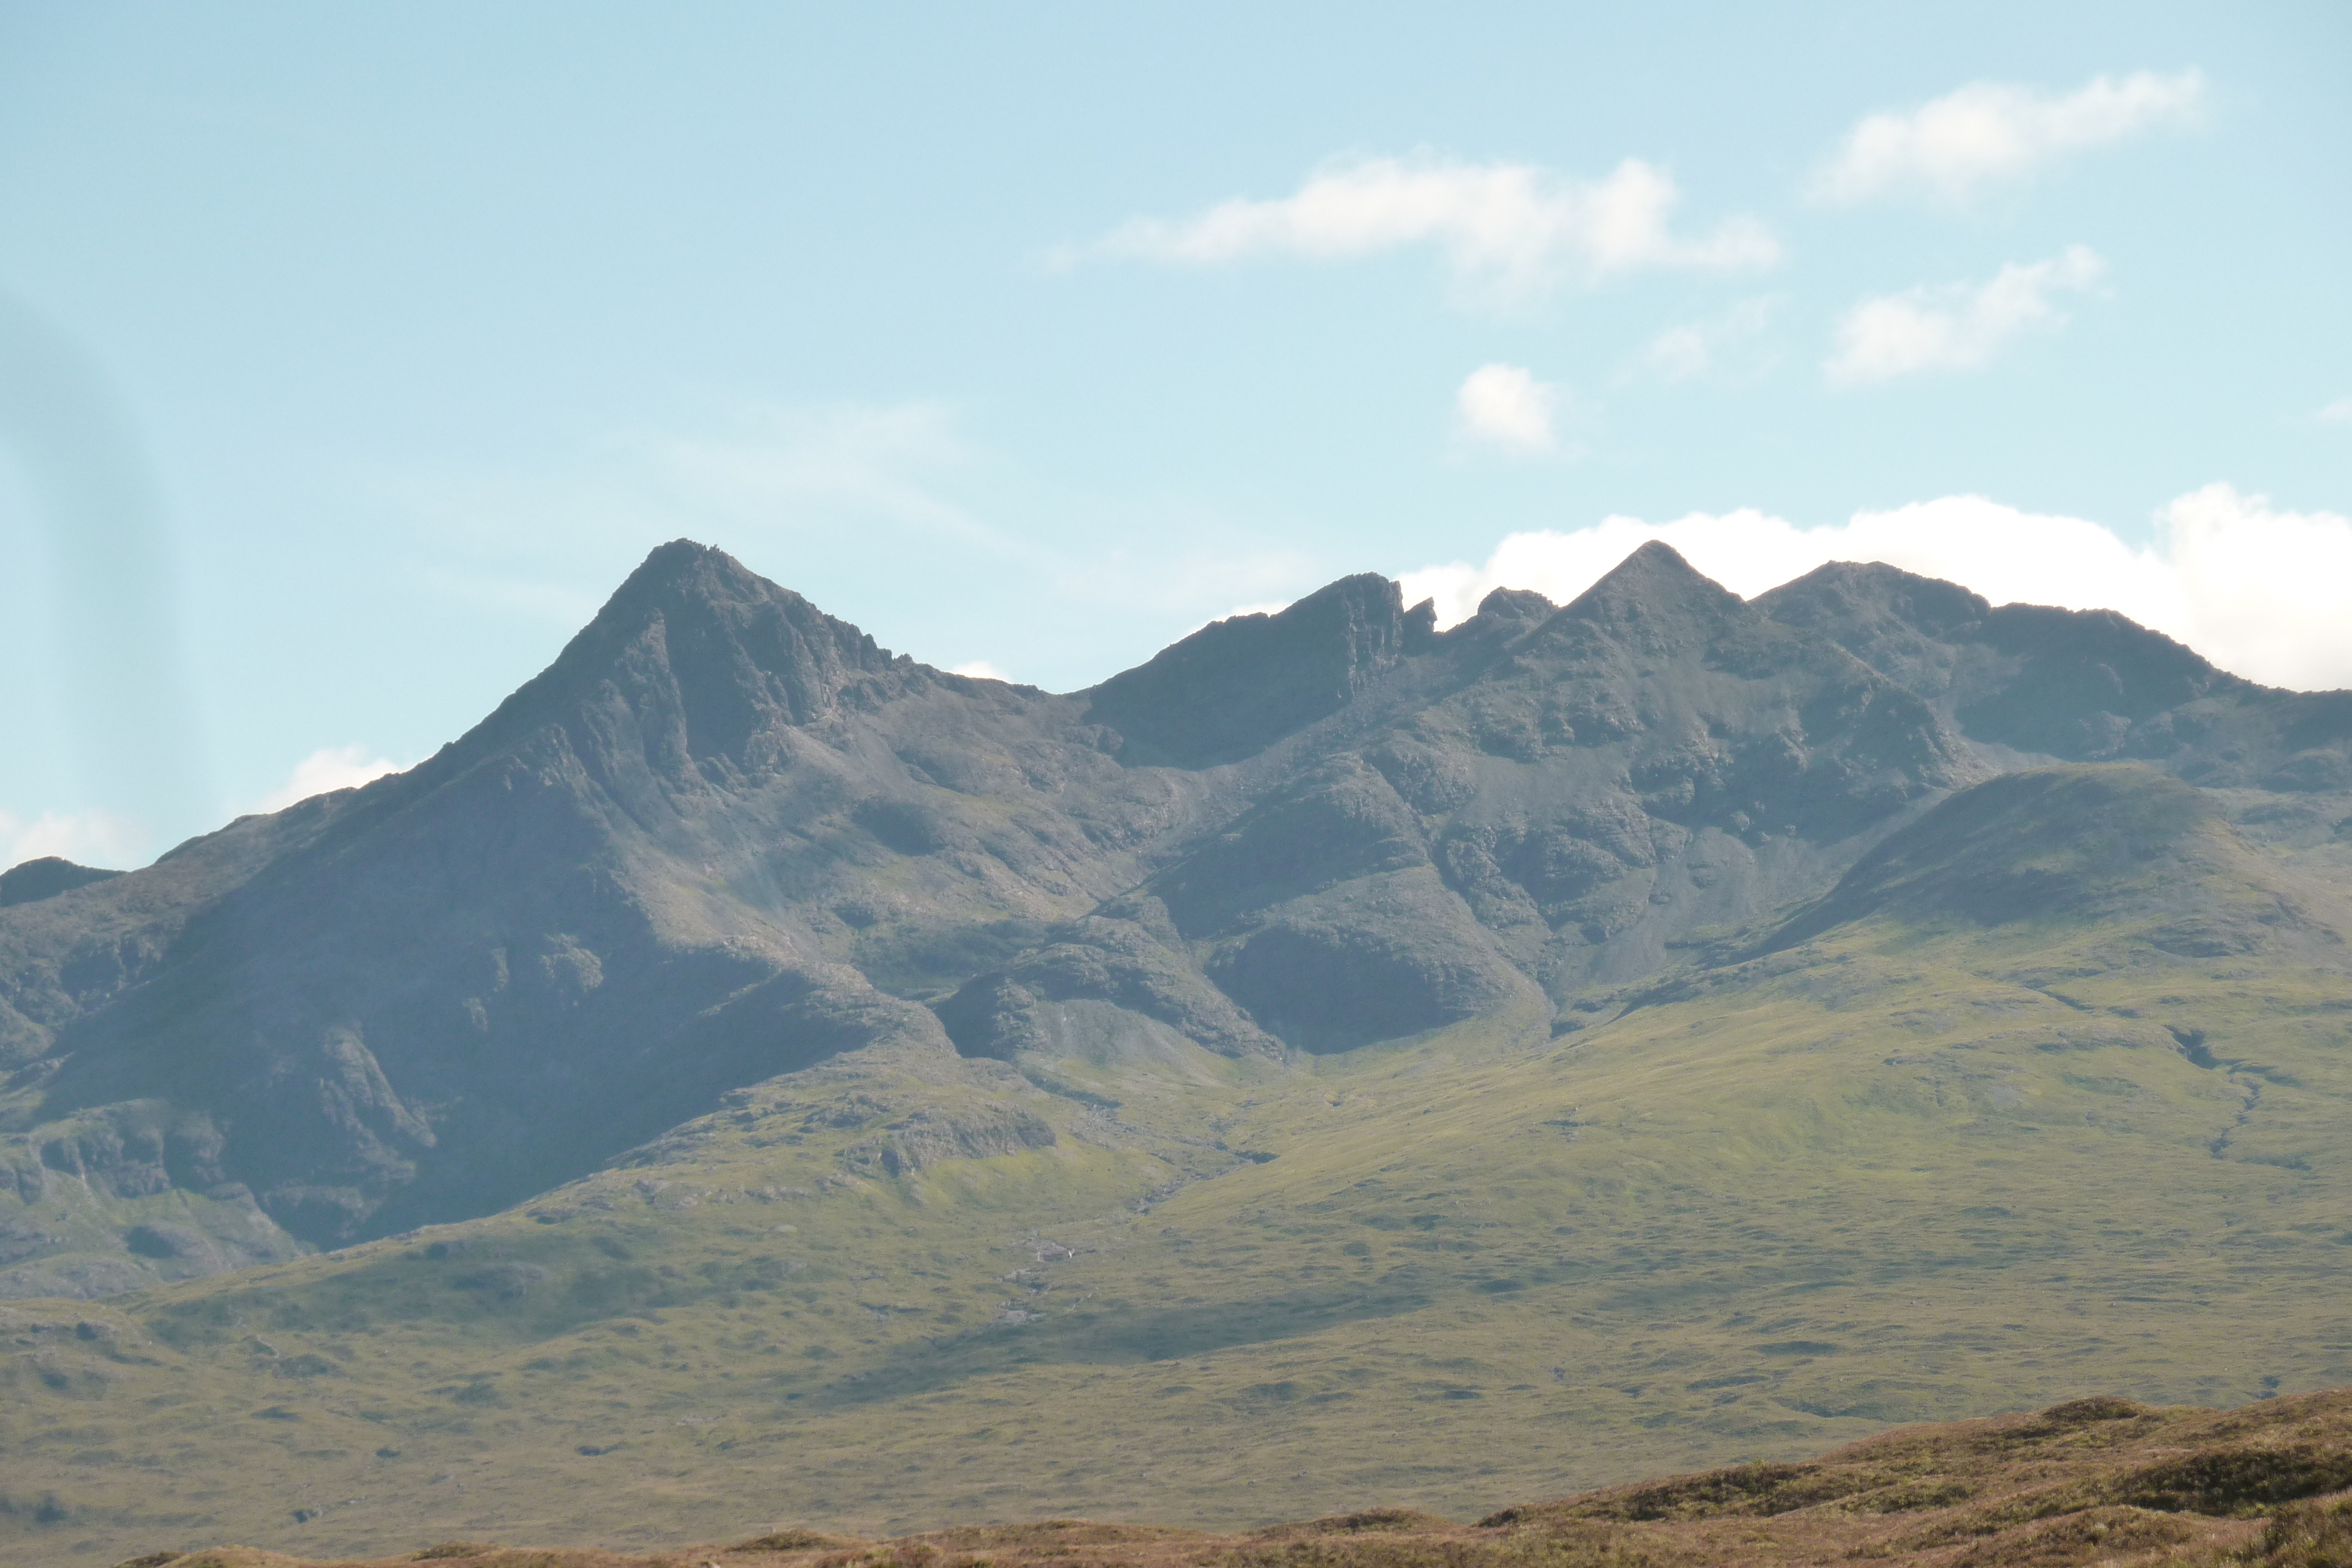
x=350, y=356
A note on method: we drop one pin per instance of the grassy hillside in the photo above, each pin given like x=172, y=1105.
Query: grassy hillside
x=1913, y=1166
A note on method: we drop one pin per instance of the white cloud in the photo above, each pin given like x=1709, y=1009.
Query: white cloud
x=1986, y=133
x=1698, y=348
x=2267, y=593
x=329, y=768
x=1511, y=232
x=979, y=670
x=1505, y=405
x=1955, y=326
x=88, y=837
x=2261, y=592
x=2337, y=412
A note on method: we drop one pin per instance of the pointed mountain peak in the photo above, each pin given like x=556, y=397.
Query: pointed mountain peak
x=1657, y=575
x=1653, y=596
x=684, y=571
x=679, y=559
x=703, y=652
x=687, y=595
x=702, y=594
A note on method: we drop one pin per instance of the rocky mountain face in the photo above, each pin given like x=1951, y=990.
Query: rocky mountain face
x=2082, y=685
x=725, y=837
x=46, y=878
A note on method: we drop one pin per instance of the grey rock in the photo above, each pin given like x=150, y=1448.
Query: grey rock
x=1235, y=686
x=726, y=846
x=976, y=1130
x=34, y=880
x=1121, y=962
x=2076, y=685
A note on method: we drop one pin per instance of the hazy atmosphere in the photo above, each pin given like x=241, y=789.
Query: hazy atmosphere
x=1032, y=339
x=1077, y=787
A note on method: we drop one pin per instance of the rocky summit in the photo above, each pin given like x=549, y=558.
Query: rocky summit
x=1655, y=1030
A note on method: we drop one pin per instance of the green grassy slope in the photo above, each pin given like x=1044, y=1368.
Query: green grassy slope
x=1913, y=1166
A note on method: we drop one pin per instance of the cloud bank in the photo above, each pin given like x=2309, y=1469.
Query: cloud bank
x=1505, y=406
x=2257, y=591
x=1957, y=147
x=1509, y=232
x=1957, y=326
x=87, y=837
x=331, y=768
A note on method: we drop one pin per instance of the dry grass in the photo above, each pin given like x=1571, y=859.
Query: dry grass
x=2091, y=1481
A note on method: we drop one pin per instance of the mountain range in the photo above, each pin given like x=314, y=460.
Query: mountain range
x=1677, y=1019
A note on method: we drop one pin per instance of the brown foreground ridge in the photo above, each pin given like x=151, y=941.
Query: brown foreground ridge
x=2094, y=1480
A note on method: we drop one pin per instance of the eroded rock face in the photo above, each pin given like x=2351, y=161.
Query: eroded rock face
x=725, y=837
x=1235, y=688
x=1116, y=962
x=977, y=1131
x=572, y=928
x=2076, y=685
x=46, y=877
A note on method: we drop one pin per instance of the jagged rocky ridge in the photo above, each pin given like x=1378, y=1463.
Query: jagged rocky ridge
x=725, y=836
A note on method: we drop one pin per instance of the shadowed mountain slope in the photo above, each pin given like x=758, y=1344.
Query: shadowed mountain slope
x=2129, y=850
x=724, y=836
x=1234, y=687
x=2081, y=685
x=1592, y=1041
x=571, y=928
x=1536, y=802
x=46, y=878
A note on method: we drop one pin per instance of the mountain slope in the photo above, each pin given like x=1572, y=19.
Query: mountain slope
x=1592, y=1041
x=2078, y=685
x=571, y=928
x=1918, y=1164
x=725, y=836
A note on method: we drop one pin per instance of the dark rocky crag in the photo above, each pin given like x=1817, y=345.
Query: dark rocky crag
x=2076, y=685
x=725, y=836
x=46, y=877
